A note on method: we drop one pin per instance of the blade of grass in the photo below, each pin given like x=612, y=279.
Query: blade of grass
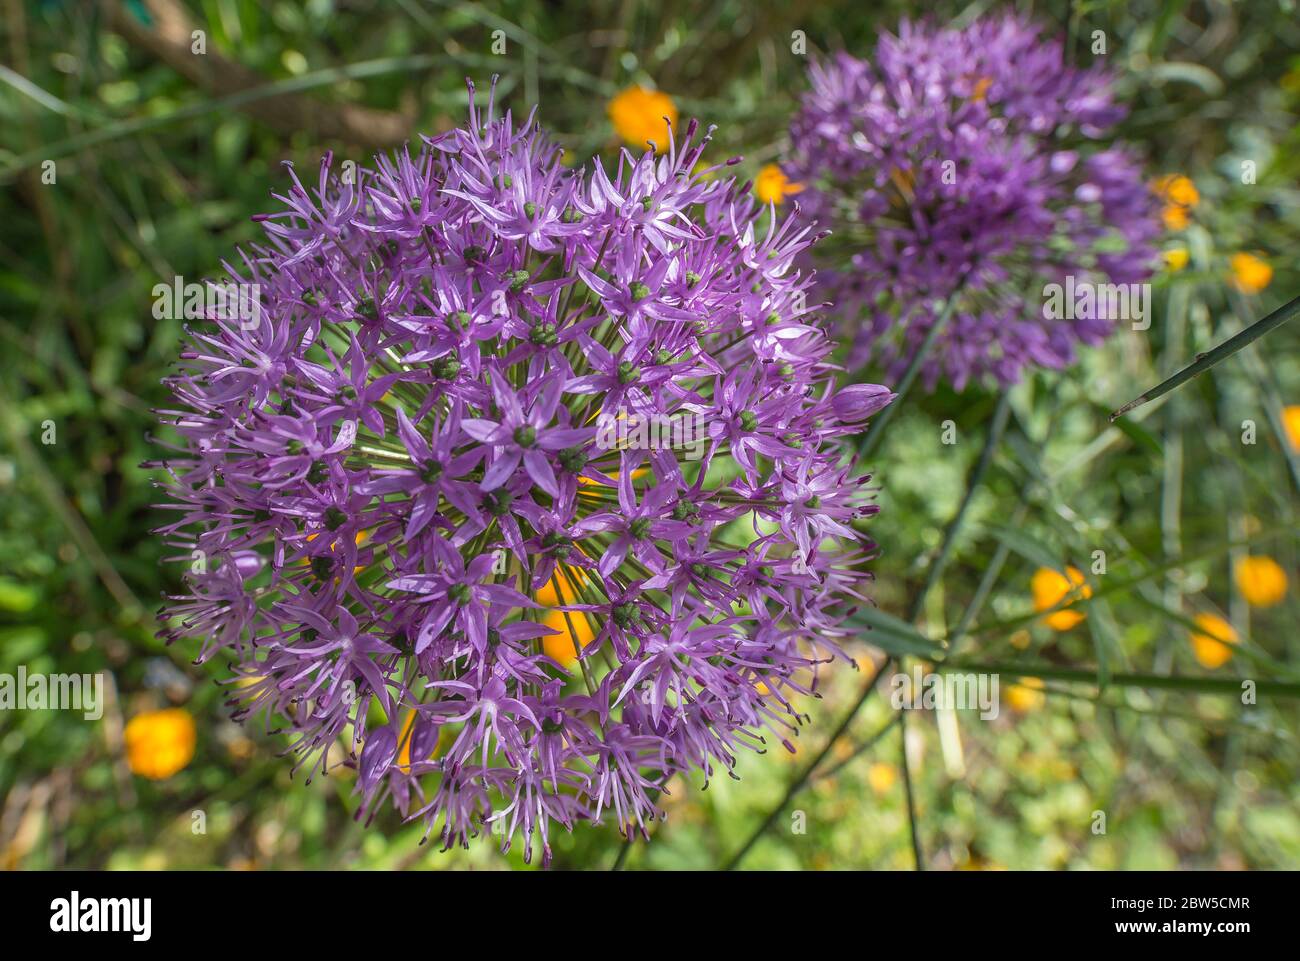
x=895, y=636
x=1203, y=685
x=1205, y=361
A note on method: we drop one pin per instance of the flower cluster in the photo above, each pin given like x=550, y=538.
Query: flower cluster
x=968, y=163
x=439, y=424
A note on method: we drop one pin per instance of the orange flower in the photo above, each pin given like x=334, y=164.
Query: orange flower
x=159, y=743
x=562, y=588
x=771, y=185
x=1177, y=189
x=1180, y=196
x=1050, y=587
x=1175, y=217
x=1261, y=580
x=1210, y=645
x=637, y=474
x=404, y=739
x=1250, y=274
x=1291, y=423
x=561, y=646
x=361, y=538
x=638, y=116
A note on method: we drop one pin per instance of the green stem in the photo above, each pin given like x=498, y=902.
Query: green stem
x=872, y=437
x=916, y=608
x=918, y=856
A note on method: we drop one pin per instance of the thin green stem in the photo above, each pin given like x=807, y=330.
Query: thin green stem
x=918, y=856
x=917, y=606
x=803, y=777
x=871, y=438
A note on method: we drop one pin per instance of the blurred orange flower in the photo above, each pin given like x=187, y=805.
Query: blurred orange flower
x=772, y=185
x=1050, y=587
x=638, y=115
x=561, y=646
x=562, y=588
x=159, y=743
x=1178, y=189
x=1291, y=423
x=1261, y=580
x=1250, y=274
x=1210, y=645
x=1180, y=196
x=881, y=777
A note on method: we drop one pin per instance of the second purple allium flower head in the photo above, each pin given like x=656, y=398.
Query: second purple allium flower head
x=967, y=163
x=477, y=378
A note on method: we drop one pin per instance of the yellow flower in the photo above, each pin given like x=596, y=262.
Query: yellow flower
x=771, y=185
x=638, y=115
x=881, y=777
x=1176, y=259
x=1261, y=580
x=1291, y=422
x=1250, y=274
x=1026, y=696
x=1050, y=587
x=1210, y=643
x=560, y=646
x=159, y=743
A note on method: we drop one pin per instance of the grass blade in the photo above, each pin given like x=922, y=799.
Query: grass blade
x=1225, y=350
x=893, y=635
x=1202, y=685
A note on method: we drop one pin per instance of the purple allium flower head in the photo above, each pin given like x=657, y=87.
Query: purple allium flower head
x=477, y=378
x=970, y=162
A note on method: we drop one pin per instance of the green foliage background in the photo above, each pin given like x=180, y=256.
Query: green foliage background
x=157, y=174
